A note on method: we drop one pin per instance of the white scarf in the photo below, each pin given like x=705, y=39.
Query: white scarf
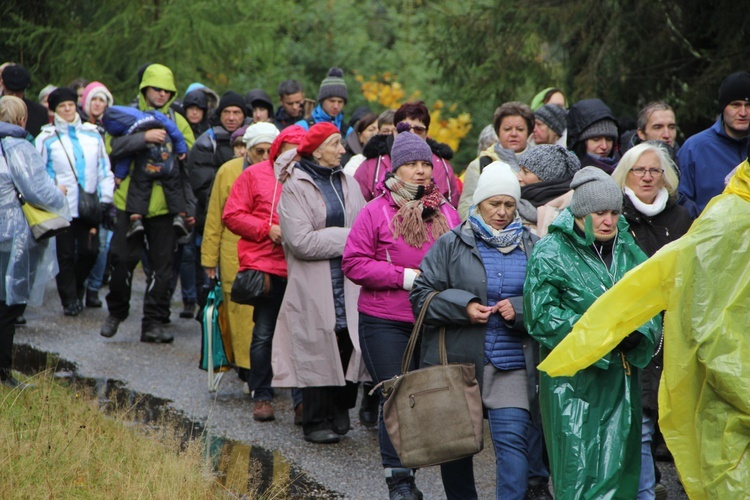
x=646, y=209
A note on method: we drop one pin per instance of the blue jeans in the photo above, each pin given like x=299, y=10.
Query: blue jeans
x=96, y=276
x=383, y=343
x=648, y=474
x=537, y=469
x=188, y=273
x=509, y=428
x=265, y=313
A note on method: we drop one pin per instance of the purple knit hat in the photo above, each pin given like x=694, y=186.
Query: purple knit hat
x=408, y=147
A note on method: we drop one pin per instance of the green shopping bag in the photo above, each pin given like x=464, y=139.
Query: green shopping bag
x=213, y=357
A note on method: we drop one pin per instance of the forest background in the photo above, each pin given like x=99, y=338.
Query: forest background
x=463, y=58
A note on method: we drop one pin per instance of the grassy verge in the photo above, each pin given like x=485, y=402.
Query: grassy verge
x=55, y=443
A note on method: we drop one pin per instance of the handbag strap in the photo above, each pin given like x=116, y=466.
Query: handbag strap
x=68, y=157
x=417, y=330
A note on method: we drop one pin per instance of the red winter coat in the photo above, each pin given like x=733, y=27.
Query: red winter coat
x=250, y=211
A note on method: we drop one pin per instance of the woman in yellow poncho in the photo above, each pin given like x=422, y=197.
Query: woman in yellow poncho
x=703, y=282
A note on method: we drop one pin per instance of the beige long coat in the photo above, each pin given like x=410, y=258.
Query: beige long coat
x=305, y=352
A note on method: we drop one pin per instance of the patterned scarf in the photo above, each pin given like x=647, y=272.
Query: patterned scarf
x=505, y=240
x=418, y=205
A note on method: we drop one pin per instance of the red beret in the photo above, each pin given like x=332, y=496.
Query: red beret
x=316, y=136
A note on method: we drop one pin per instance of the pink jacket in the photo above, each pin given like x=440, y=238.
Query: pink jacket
x=374, y=260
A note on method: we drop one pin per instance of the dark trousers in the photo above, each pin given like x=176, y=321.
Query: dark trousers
x=8, y=315
x=77, y=249
x=383, y=343
x=125, y=254
x=321, y=405
x=265, y=313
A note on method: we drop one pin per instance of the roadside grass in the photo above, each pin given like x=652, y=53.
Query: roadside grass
x=56, y=443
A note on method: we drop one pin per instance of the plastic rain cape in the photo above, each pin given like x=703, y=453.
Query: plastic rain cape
x=702, y=281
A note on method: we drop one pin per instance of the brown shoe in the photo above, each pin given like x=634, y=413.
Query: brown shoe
x=298, y=414
x=263, y=411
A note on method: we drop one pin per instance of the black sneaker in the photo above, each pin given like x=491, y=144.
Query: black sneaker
x=92, y=298
x=73, y=309
x=537, y=490
x=20, y=320
x=180, y=227
x=135, y=228
x=157, y=335
x=188, y=311
x=401, y=485
x=8, y=380
x=109, y=328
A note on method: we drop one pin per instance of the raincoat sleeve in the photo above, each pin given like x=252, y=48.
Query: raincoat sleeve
x=629, y=305
x=32, y=180
x=359, y=262
x=299, y=232
x=449, y=306
x=240, y=216
x=210, y=247
x=105, y=177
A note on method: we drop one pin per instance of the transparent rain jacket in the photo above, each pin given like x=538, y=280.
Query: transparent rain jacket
x=702, y=281
x=26, y=265
x=591, y=420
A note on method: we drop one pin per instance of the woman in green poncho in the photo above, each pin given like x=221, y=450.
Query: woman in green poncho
x=592, y=421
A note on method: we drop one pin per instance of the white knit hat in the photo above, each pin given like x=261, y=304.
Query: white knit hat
x=497, y=178
x=259, y=133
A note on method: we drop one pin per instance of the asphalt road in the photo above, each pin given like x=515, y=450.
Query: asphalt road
x=351, y=467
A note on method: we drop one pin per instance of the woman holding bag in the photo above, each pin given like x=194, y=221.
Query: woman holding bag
x=388, y=241
x=75, y=157
x=25, y=264
x=479, y=269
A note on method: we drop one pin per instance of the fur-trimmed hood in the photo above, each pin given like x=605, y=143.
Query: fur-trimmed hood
x=379, y=145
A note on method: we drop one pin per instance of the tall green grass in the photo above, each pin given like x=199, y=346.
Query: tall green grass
x=56, y=443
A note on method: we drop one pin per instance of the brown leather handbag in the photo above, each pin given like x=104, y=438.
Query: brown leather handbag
x=434, y=414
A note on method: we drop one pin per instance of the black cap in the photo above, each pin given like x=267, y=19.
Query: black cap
x=61, y=94
x=735, y=87
x=16, y=77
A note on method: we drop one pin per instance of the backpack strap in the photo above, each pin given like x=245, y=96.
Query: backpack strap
x=483, y=162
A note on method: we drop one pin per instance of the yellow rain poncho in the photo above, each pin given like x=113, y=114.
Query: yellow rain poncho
x=702, y=281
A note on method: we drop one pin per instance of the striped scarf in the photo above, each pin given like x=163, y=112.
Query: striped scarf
x=418, y=205
x=505, y=240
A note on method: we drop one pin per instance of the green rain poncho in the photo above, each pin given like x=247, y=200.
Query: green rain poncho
x=702, y=281
x=592, y=420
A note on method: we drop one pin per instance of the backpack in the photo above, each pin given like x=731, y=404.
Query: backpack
x=157, y=160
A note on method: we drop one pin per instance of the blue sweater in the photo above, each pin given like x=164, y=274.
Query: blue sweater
x=705, y=160
x=505, y=277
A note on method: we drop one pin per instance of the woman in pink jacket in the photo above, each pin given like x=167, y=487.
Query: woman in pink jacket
x=382, y=254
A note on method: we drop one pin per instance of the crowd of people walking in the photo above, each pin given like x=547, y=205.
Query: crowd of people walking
x=351, y=226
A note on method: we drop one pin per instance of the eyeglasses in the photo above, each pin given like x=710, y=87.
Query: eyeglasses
x=418, y=129
x=641, y=172
x=261, y=151
x=159, y=91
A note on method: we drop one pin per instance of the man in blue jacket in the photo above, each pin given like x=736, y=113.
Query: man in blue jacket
x=709, y=156
x=332, y=98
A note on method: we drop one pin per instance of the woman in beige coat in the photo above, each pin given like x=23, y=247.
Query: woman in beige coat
x=316, y=342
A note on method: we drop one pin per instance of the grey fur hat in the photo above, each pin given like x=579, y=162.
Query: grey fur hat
x=594, y=191
x=554, y=116
x=602, y=128
x=550, y=162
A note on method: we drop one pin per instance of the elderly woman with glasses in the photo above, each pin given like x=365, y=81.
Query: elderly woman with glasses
x=414, y=117
x=649, y=182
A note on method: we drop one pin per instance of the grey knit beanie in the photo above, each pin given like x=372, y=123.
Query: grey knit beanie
x=333, y=86
x=594, y=191
x=408, y=147
x=550, y=162
x=553, y=116
x=602, y=128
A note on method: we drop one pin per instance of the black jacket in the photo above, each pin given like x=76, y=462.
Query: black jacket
x=37, y=118
x=210, y=151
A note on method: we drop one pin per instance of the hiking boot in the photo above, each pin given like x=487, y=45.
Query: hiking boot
x=401, y=485
x=263, y=411
x=73, y=309
x=537, y=490
x=324, y=436
x=368, y=407
x=180, y=226
x=188, y=310
x=20, y=320
x=157, y=335
x=135, y=228
x=109, y=328
x=92, y=298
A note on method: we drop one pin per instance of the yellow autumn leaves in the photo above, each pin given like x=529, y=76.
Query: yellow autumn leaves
x=445, y=126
